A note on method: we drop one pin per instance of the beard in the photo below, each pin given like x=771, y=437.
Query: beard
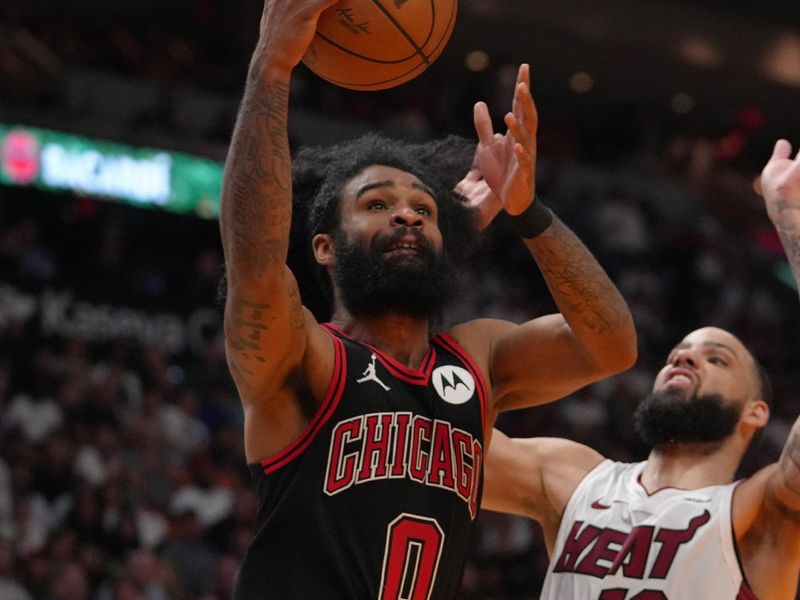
x=373, y=284
x=668, y=417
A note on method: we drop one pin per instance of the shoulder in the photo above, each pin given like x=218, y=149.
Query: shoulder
x=479, y=336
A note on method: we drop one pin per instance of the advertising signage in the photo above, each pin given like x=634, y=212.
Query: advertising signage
x=143, y=177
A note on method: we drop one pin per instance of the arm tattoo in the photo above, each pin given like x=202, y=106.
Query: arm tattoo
x=246, y=330
x=788, y=226
x=790, y=238
x=258, y=180
x=790, y=463
x=789, y=469
x=578, y=283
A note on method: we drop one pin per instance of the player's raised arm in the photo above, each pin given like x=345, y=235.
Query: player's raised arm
x=593, y=336
x=780, y=182
x=766, y=507
x=266, y=329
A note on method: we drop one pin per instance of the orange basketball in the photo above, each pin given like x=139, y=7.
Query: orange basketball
x=378, y=44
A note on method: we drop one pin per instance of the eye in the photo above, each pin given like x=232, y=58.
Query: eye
x=717, y=360
x=423, y=210
x=376, y=205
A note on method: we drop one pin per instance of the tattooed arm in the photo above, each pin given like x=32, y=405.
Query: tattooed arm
x=780, y=182
x=780, y=185
x=269, y=336
x=766, y=507
x=593, y=336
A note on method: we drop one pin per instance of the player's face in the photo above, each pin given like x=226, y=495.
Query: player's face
x=708, y=361
x=391, y=210
x=388, y=247
x=700, y=393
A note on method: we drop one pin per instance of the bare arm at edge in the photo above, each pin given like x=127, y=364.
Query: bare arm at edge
x=535, y=477
x=766, y=507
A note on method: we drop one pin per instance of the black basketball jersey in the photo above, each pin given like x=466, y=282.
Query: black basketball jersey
x=377, y=498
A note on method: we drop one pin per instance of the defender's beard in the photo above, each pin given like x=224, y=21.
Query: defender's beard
x=668, y=417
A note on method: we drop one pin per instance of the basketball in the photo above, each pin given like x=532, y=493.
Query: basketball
x=379, y=44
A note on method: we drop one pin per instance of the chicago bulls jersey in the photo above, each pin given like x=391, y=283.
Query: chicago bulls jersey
x=377, y=498
x=616, y=542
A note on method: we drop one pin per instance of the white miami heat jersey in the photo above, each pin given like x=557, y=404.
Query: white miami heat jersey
x=616, y=542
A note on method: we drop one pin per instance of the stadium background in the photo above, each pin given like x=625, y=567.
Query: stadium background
x=121, y=464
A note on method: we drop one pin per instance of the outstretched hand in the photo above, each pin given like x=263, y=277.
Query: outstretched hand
x=780, y=183
x=507, y=162
x=479, y=197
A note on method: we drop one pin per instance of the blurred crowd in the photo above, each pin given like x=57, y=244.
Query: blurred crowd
x=122, y=474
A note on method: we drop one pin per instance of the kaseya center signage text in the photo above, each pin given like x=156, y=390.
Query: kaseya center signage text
x=60, y=314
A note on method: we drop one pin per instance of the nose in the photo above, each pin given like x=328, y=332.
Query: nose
x=406, y=216
x=684, y=356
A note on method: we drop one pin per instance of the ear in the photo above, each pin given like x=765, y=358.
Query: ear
x=755, y=413
x=322, y=245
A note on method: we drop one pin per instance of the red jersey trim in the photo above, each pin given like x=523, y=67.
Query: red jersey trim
x=745, y=593
x=418, y=376
x=332, y=397
x=450, y=344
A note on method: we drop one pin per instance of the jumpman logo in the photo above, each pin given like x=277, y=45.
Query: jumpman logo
x=370, y=374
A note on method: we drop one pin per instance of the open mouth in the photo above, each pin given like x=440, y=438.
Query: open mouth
x=404, y=244
x=403, y=249
x=679, y=378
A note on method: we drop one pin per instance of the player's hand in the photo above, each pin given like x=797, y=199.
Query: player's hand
x=780, y=183
x=508, y=162
x=287, y=28
x=479, y=197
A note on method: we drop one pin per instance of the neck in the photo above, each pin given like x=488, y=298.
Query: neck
x=690, y=466
x=404, y=338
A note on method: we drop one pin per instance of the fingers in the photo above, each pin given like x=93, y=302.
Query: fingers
x=516, y=131
x=525, y=109
x=523, y=129
x=524, y=74
x=523, y=106
x=524, y=159
x=483, y=123
x=474, y=174
x=783, y=149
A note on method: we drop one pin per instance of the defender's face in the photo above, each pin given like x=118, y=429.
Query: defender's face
x=708, y=361
x=391, y=211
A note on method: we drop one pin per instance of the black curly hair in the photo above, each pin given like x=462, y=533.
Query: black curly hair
x=320, y=173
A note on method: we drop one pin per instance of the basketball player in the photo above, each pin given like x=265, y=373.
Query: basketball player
x=674, y=526
x=365, y=436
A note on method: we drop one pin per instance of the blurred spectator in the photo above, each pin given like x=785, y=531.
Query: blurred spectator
x=10, y=587
x=194, y=561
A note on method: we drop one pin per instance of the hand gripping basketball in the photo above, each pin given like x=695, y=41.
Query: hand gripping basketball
x=379, y=44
